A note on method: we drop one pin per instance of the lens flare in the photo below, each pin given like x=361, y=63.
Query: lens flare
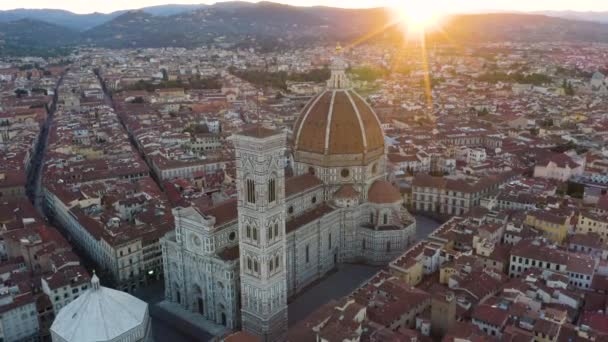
x=417, y=17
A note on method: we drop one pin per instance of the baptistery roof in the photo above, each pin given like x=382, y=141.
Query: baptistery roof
x=101, y=314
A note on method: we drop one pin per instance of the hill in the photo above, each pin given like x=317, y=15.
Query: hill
x=261, y=25
x=33, y=37
x=268, y=26
x=501, y=27
x=67, y=19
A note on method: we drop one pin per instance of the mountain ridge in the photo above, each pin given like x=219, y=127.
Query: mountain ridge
x=83, y=22
x=268, y=25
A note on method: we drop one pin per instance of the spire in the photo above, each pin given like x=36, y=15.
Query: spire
x=338, y=79
x=95, y=281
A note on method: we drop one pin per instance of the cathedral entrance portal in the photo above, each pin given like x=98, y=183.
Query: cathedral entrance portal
x=199, y=304
x=176, y=294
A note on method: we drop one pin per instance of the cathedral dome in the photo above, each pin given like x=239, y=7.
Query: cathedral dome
x=383, y=192
x=338, y=121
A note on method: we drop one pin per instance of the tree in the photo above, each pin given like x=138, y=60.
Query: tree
x=568, y=89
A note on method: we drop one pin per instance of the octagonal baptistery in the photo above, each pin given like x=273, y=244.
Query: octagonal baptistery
x=102, y=314
x=338, y=136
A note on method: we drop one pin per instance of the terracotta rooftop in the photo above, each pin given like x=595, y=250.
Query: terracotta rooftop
x=259, y=132
x=297, y=184
x=308, y=217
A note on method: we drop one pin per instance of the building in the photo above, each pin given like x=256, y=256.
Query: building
x=443, y=312
x=453, y=196
x=18, y=315
x=559, y=166
x=12, y=184
x=282, y=234
x=554, y=226
x=103, y=314
x=490, y=319
x=593, y=222
x=537, y=254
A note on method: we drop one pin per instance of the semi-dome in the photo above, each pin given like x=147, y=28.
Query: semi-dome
x=102, y=314
x=383, y=192
x=338, y=121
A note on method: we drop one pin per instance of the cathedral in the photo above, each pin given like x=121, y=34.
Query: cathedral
x=238, y=263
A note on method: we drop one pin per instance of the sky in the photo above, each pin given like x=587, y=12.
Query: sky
x=453, y=6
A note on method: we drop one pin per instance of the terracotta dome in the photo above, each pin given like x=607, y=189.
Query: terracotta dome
x=382, y=192
x=338, y=120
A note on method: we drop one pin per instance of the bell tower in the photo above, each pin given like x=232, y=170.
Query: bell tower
x=261, y=216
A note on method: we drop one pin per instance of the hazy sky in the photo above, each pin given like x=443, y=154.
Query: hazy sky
x=87, y=6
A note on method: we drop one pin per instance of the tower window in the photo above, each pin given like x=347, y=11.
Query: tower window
x=290, y=209
x=276, y=261
x=272, y=191
x=249, y=264
x=364, y=246
x=276, y=229
x=255, y=266
x=385, y=219
x=371, y=218
x=255, y=233
x=248, y=232
x=269, y=233
x=329, y=241
x=271, y=265
x=314, y=199
x=307, y=254
x=250, y=185
x=388, y=246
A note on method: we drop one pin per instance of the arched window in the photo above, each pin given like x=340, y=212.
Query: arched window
x=385, y=219
x=249, y=265
x=255, y=233
x=270, y=265
x=250, y=187
x=276, y=261
x=371, y=217
x=272, y=190
x=256, y=267
x=248, y=232
x=276, y=229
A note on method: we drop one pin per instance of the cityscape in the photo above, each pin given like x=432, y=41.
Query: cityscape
x=286, y=172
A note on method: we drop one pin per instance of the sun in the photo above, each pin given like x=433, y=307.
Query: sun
x=417, y=16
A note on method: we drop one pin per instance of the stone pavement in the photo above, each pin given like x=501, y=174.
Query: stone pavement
x=192, y=318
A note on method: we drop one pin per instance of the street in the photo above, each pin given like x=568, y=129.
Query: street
x=425, y=226
x=165, y=326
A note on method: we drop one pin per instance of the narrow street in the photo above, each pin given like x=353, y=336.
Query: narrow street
x=34, y=177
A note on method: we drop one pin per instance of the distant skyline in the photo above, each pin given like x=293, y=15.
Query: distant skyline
x=445, y=6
